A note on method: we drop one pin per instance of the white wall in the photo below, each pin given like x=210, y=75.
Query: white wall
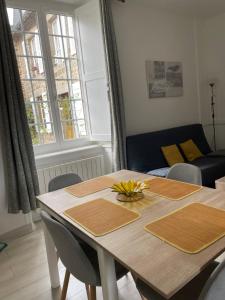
x=144, y=33
x=211, y=48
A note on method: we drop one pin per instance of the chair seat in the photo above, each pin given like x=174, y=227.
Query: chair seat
x=190, y=292
x=93, y=257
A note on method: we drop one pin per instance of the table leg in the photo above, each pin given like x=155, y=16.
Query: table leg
x=52, y=259
x=108, y=275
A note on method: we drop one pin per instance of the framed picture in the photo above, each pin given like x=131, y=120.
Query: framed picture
x=164, y=79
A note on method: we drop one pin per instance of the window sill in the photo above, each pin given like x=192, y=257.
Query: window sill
x=64, y=156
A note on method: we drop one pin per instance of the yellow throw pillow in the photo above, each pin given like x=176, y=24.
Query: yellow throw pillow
x=191, y=150
x=172, y=155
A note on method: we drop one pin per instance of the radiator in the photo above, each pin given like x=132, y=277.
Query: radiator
x=86, y=168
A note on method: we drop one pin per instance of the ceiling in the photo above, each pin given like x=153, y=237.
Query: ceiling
x=198, y=8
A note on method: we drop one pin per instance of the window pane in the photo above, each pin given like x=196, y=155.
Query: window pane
x=77, y=107
x=29, y=21
x=68, y=130
x=53, y=24
x=66, y=73
x=59, y=68
x=46, y=133
x=43, y=112
x=82, y=128
x=62, y=89
x=67, y=26
x=70, y=26
x=27, y=90
x=75, y=89
x=69, y=47
x=40, y=90
x=73, y=68
x=36, y=68
x=34, y=134
x=33, y=45
x=64, y=24
x=14, y=19
x=66, y=112
x=30, y=109
x=23, y=67
x=56, y=46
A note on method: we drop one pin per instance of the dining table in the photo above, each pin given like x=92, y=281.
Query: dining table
x=165, y=268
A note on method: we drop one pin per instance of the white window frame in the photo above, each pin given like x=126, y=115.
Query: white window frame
x=36, y=50
x=42, y=9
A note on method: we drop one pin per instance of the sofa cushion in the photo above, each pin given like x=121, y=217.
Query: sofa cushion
x=162, y=172
x=190, y=150
x=172, y=155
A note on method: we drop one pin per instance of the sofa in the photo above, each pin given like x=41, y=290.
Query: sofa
x=144, y=151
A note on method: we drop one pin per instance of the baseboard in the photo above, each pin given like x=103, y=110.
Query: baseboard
x=18, y=232
x=36, y=217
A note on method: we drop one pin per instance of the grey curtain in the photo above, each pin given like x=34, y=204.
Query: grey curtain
x=116, y=94
x=20, y=170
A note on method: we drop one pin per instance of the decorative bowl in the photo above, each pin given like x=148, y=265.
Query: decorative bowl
x=124, y=198
x=129, y=191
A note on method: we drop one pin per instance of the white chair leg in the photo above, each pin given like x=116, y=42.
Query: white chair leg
x=52, y=259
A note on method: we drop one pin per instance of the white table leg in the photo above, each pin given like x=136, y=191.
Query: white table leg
x=108, y=275
x=52, y=259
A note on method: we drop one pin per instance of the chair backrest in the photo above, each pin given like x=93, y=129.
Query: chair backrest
x=62, y=181
x=185, y=172
x=70, y=252
x=214, y=288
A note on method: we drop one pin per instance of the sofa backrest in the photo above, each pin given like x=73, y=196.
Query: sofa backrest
x=144, y=150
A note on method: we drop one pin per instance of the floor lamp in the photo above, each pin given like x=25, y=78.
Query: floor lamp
x=212, y=86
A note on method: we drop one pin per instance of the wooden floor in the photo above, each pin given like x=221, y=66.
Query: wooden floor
x=24, y=273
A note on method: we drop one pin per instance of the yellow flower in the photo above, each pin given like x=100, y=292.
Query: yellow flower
x=129, y=188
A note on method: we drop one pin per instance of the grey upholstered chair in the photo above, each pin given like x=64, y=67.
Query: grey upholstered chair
x=213, y=289
x=62, y=181
x=80, y=259
x=185, y=172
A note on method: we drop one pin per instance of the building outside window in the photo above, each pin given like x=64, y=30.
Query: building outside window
x=49, y=76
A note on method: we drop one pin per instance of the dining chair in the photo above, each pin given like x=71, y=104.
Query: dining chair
x=79, y=259
x=192, y=291
x=186, y=173
x=62, y=181
x=214, y=289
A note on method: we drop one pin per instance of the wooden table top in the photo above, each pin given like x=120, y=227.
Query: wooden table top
x=163, y=267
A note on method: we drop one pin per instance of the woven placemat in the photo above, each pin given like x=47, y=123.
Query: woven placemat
x=191, y=228
x=171, y=189
x=90, y=186
x=101, y=216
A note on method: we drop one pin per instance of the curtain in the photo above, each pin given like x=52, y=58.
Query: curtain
x=20, y=169
x=116, y=94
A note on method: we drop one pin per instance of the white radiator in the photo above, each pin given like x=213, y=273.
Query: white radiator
x=86, y=168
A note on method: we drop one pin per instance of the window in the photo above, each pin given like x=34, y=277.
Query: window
x=49, y=75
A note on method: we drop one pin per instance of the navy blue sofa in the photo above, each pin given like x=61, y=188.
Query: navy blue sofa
x=144, y=151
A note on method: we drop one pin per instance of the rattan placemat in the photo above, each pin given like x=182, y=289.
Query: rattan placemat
x=191, y=228
x=90, y=186
x=171, y=189
x=101, y=216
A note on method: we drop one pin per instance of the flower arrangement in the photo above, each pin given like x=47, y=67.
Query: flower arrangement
x=129, y=191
